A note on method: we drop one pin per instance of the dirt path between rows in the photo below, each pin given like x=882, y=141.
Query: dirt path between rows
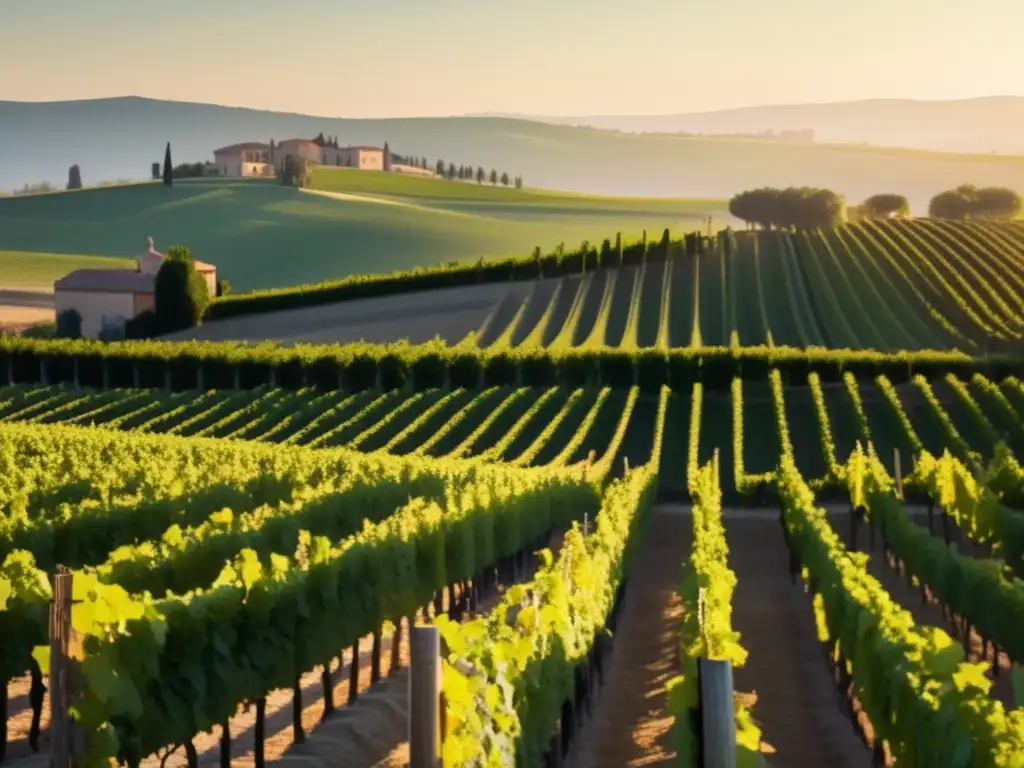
x=798, y=707
x=631, y=725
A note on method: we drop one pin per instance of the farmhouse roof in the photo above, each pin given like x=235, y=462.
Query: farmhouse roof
x=106, y=281
x=298, y=141
x=232, y=148
x=150, y=260
x=368, y=148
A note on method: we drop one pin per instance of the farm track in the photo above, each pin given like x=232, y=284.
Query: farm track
x=797, y=708
x=630, y=725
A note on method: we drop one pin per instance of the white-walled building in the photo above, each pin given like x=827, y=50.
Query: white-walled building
x=106, y=299
x=253, y=158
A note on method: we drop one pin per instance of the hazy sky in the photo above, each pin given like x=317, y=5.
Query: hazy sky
x=430, y=57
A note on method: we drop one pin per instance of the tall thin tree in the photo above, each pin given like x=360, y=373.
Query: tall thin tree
x=168, y=168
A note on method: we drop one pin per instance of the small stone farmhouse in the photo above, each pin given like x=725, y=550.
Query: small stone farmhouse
x=253, y=158
x=106, y=299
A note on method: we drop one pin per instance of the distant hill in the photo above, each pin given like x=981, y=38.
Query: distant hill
x=122, y=137
x=989, y=124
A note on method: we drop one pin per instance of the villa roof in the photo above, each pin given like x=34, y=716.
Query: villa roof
x=368, y=148
x=114, y=280
x=106, y=281
x=298, y=141
x=232, y=148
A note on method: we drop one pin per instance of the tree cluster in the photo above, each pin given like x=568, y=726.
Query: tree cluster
x=189, y=170
x=791, y=208
x=970, y=202
x=885, y=206
x=36, y=189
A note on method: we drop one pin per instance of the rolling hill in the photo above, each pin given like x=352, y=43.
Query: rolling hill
x=43, y=139
x=263, y=235
x=987, y=124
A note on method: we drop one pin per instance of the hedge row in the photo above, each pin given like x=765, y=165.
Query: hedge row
x=231, y=365
x=586, y=257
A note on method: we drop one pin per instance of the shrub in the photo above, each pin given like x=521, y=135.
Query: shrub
x=69, y=324
x=181, y=292
x=885, y=206
x=142, y=326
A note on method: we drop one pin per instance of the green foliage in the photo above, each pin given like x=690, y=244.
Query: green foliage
x=168, y=172
x=970, y=202
x=69, y=324
x=284, y=586
x=707, y=633
x=885, y=206
x=921, y=695
x=976, y=504
x=189, y=170
x=74, y=177
x=507, y=674
x=791, y=208
x=182, y=295
x=296, y=172
x=292, y=366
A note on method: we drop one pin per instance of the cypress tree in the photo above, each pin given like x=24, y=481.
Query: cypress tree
x=168, y=168
x=181, y=292
x=74, y=177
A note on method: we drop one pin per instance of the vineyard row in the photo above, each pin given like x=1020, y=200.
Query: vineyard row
x=557, y=426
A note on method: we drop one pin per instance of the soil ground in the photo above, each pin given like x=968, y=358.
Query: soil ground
x=451, y=313
x=631, y=724
x=21, y=307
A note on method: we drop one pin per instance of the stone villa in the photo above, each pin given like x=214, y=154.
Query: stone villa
x=253, y=158
x=107, y=298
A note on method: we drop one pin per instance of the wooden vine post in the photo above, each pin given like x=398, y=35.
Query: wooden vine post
x=898, y=472
x=67, y=745
x=718, y=726
x=717, y=712
x=424, y=697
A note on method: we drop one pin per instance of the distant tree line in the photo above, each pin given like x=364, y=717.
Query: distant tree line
x=453, y=172
x=970, y=202
x=36, y=189
x=790, y=208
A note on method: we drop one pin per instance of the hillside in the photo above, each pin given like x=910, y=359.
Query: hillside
x=263, y=235
x=987, y=124
x=892, y=286
x=44, y=139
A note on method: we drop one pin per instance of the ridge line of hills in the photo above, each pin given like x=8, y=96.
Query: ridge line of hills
x=120, y=138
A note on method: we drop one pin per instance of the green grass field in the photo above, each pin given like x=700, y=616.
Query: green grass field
x=29, y=269
x=263, y=235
